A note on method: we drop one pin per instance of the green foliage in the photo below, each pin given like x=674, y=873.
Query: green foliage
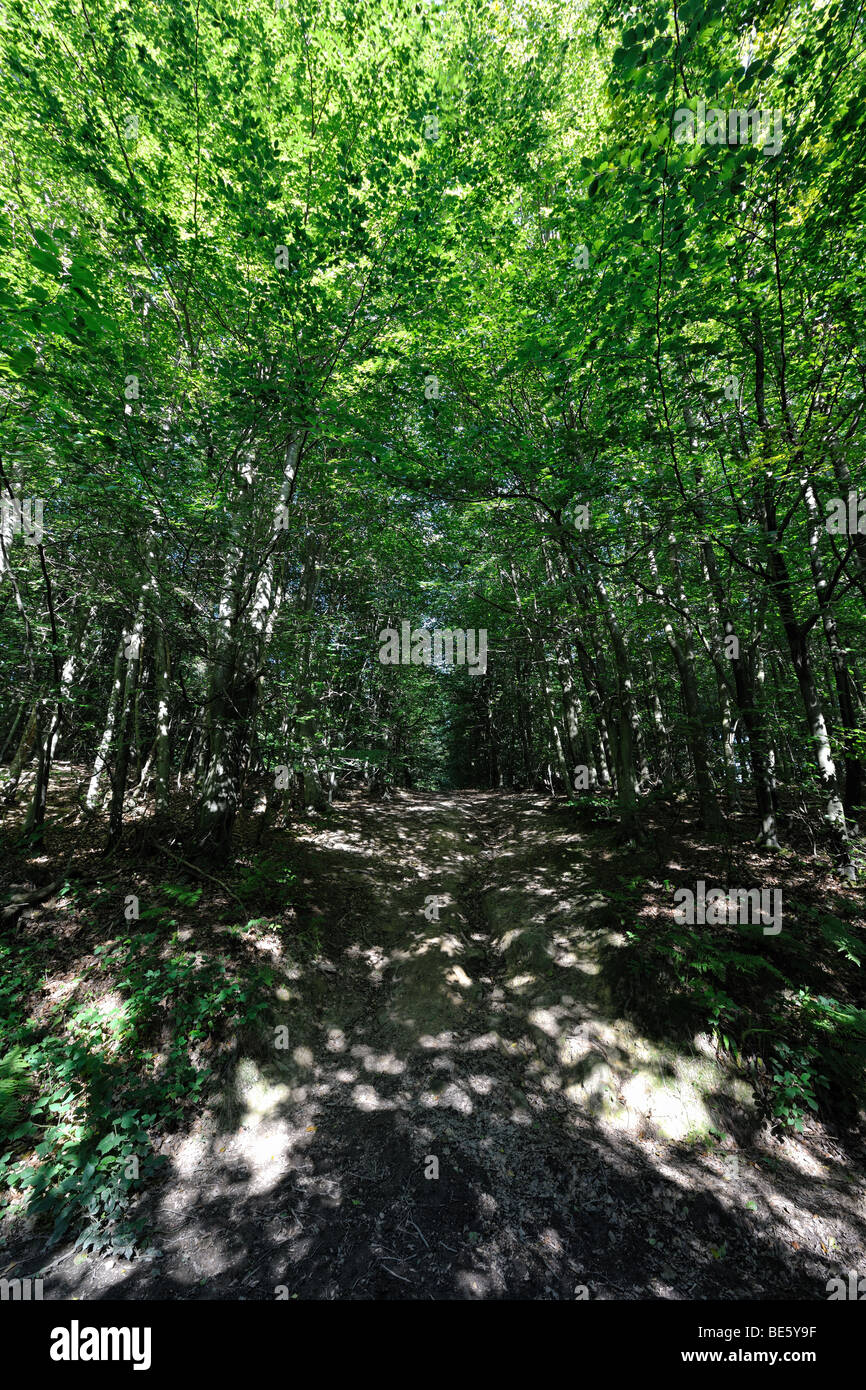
x=79, y=1175
x=806, y=1052
x=233, y=267
x=14, y=1086
x=103, y=1083
x=267, y=882
x=793, y=1091
x=183, y=894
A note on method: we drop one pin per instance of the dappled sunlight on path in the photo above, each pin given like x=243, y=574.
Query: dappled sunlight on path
x=443, y=1101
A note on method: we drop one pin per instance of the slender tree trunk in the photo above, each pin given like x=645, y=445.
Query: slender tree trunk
x=848, y=713
x=23, y=751
x=163, y=743
x=99, y=762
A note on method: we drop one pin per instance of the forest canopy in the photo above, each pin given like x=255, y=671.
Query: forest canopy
x=538, y=319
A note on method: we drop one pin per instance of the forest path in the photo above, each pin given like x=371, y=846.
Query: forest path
x=457, y=1111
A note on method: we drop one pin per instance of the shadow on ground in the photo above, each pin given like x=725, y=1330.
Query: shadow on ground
x=443, y=1103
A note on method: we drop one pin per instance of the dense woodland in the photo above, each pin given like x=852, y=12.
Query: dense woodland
x=326, y=317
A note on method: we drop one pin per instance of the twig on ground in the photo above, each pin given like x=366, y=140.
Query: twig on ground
x=203, y=874
x=420, y=1232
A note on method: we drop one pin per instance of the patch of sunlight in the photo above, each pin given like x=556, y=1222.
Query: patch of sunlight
x=799, y=1157
x=519, y=983
x=366, y=1098
x=271, y=945
x=545, y=1020
x=457, y=976
x=577, y=1045
x=597, y=1087
x=584, y=963
x=481, y=1085
x=674, y=1110
x=428, y=1040
x=675, y=1104
x=508, y=938
x=449, y=945
x=341, y=843
x=58, y=988
x=189, y=1155
x=113, y=1003
x=457, y=1099
x=520, y=1117
x=267, y=1153
x=386, y=1064
x=443, y=1063
x=258, y=1097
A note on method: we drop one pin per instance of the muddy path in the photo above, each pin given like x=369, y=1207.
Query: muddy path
x=444, y=1104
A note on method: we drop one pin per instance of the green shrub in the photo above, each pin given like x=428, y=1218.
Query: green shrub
x=806, y=1051
x=14, y=1086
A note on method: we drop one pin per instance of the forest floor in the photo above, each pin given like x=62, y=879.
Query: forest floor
x=459, y=1107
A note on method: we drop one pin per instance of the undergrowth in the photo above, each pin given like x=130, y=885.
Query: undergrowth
x=121, y=1054
x=803, y=1047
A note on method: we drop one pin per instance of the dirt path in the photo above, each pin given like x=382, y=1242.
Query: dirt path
x=453, y=1110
